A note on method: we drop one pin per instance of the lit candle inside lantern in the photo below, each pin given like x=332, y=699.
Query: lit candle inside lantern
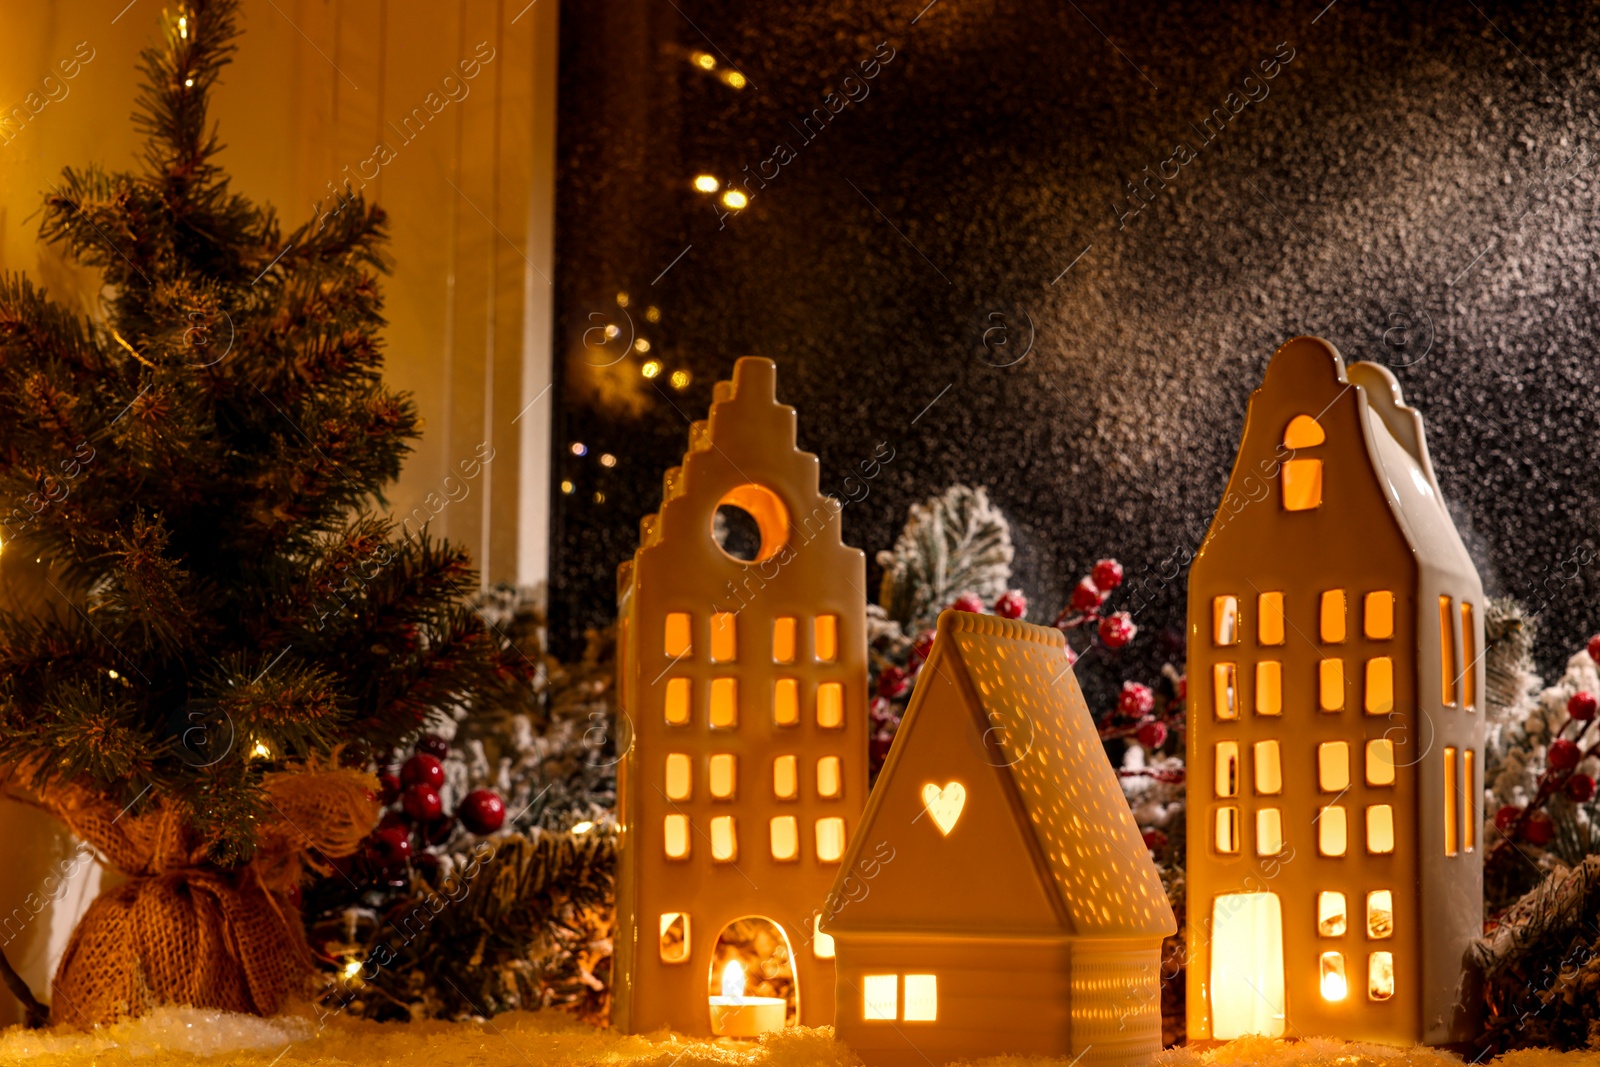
x=735, y=1015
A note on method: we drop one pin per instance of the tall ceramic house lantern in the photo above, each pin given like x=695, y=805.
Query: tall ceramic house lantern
x=998, y=898
x=743, y=685
x=1335, y=727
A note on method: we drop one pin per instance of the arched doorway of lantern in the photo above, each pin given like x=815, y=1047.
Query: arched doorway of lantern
x=752, y=987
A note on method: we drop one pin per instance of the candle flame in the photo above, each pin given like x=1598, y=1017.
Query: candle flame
x=733, y=979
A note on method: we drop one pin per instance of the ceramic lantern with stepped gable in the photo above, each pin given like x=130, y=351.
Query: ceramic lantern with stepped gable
x=742, y=678
x=998, y=898
x=1335, y=725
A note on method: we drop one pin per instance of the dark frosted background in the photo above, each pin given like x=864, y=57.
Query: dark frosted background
x=1418, y=187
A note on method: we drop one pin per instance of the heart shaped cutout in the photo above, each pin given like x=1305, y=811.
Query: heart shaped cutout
x=944, y=805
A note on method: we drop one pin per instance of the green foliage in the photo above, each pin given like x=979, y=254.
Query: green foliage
x=199, y=464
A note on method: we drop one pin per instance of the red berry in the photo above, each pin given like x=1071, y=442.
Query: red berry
x=1072, y=656
x=1117, y=630
x=923, y=648
x=422, y=802
x=1136, y=700
x=892, y=682
x=1594, y=648
x=433, y=745
x=1152, y=734
x=1563, y=755
x=422, y=769
x=880, y=710
x=391, y=845
x=1505, y=817
x=1155, y=840
x=1183, y=686
x=391, y=786
x=1107, y=574
x=1539, y=829
x=1011, y=605
x=482, y=811
x=968, y=602
x=1086, y=596
x=1582, y=706
x=1580, y=787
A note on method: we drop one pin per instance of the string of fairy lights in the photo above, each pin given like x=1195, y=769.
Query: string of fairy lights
x=650, y=364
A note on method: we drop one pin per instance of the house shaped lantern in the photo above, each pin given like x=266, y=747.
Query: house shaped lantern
x=742, y=681
x=998, y=897
x=1335, y=741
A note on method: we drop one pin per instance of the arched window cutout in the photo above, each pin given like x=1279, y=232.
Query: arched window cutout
x=1303, y=432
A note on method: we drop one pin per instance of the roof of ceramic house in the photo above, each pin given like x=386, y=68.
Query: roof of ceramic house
x=1090, y=853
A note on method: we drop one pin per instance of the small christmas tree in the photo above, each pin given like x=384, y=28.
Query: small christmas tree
x=198, y=465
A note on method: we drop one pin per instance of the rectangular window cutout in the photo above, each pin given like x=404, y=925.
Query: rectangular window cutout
x=1380, y=828
x=1380, y=975
x=1380, y=685
x=821, y=943
x=786, y=702
x=1451, y=813
x=674, y=936
x=1227, y=768
x=1378, y=616
x=1334, y=986
x=1330, y=685
x=677, y=636
x=828, y=777
x=1269, y=768
x=1302, y=484
x=830, y=705
x=826, y=631
x=724, y=842
x=724, y=776
x=1469, y=799
x=1332, y=920
x=783, y=640
x=1227, y=835
x=1269, y=832
x=680, y=776
x=1333, y=766
x=724, y=644
x=676, y=829
x=1332, y=627
x=880, y=996
x=1447, y=654
x=785, y=778
x=922, y=998
x=1380, y=761
x=1269, y=618
x=785, y=834
x=1469, y=659
x=1269, y=687
x=1332, y=833
x=1225, y=691
x=677, y=703
x=724, y=703
x=1380, y=914
x=830, y=839
x=1224, y=620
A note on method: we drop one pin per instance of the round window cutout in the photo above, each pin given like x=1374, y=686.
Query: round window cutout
x=750, y=524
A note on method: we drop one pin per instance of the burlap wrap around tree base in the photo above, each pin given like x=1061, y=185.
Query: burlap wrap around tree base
x=184, y=931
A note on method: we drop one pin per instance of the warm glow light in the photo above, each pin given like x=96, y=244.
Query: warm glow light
x=1334, y=986
x=735, y=79
x=114, y=675
x=680, y=379
x=566, y=486
x=1247, y=988
x=733, y=979
x=599, y=498
x=260, y=751
x=622, y=300
x=651, y=368
x=582, y=827
x=607, y=460
x=579, y=448
x=735, y=199
x=703, y=60
x=351, y=969
x=613, y=331
x=188, y=83
x=640, y=345
x=652, y=314
x=707, y=183
x=183, y=27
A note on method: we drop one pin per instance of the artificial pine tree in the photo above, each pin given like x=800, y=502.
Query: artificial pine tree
x=199, y=464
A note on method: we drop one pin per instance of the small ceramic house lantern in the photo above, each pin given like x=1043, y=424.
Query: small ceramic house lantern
x=742, y=678
x=1335, y=726
x=998, y=898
